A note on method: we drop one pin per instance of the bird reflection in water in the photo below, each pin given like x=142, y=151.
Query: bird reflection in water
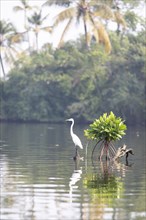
x=75, y=177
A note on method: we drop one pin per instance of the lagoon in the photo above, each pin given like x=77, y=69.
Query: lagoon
x=41, y=181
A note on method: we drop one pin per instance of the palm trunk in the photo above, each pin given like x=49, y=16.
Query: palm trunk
x=86, y=35
x=2, y=65
x=29, y=47
x=37, y=46
x=26, y=27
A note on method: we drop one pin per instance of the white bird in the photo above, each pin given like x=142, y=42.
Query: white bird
x=75, y=138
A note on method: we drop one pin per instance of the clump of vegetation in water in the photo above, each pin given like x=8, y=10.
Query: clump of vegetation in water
x=105, y=130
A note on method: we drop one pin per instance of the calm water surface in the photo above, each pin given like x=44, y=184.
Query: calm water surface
x=41, y=181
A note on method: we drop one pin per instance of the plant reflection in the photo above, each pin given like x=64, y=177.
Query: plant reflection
x=107, y=184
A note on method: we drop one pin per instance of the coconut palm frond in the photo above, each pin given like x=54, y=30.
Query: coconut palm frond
x=24, y=35
x=88, y=39
x=57, y=2
x=47, y=3
x=45, y=17
x=95, y=34
x=120, y=19
x=103, y=37
x=25, y=4
x=103, y=11
x=108, y=46
x=106, y=2
x=2, y=49
x=6, y=27
x=17, y=8
x=9, y=43
x=19, y=55
x=15, y=49
x=10, y=55
x=35, y=19
x=64, y=32
x=25, y=7
x=47, y=29
x=16, y=38
x=64, y=15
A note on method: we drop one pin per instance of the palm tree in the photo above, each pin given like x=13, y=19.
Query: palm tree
x=25, y=7
x=92, y=13
x=36, y=22
x=9, y=39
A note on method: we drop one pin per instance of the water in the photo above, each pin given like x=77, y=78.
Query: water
x=41, y=181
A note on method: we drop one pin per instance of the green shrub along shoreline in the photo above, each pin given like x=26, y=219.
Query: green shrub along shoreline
x=54, y=84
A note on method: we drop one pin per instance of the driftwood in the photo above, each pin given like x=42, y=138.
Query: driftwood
x=122, y=151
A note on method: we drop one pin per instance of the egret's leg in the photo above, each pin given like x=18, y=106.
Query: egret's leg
x=77, y=152
x=77, y=156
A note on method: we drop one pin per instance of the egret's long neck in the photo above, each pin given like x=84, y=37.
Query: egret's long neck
x=71, y=128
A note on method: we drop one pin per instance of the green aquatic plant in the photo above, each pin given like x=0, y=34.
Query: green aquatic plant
x=105, y=130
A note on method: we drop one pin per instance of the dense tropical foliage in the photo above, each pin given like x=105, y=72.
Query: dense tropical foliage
x=52, y=84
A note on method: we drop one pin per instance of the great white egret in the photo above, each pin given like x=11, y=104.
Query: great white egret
x=75, y=138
